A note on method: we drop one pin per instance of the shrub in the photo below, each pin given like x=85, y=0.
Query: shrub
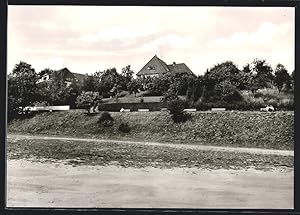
x=115, y=107
x=170, y=95
x=88, y=99
x=142, y=100
x=106, y=119
x=124, y=127
x=176, y=108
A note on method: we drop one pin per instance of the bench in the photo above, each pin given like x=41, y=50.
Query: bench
x=143, y=110
x=218, y=109
x=190, y=110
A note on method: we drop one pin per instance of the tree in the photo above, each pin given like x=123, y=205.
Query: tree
x=198, y=88
x=133, y=86
x=221, y=72
x=90, y=83
x=228, y=92
x=107, y=80
x=282, y=77
x=170, y=95
x=61, y=93
x=47, y=71
x=126, y=77
x=263, y=73
x=88, y=99
x=222, y=81
x=22, y=89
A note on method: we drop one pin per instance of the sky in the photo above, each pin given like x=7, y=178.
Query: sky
x=86, y=39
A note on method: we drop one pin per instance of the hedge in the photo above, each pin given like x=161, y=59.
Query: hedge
x=115, y=107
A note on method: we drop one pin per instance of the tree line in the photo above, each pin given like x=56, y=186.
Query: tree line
x=222, y=82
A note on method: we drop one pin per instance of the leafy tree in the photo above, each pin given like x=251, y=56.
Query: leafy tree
x=263, y=73
x=282, y=77
x=198, y=88
x=88, y=99
x=222, y=81
x=107, y=80
x=160, y=85
x=60, y=93
x=126, y=77
x=221, y=72
x=47, y=71
x=170, y=95
x=22, y=89
x=115, y=91
x=228, y=92
x=90, y=83
x=133, y=86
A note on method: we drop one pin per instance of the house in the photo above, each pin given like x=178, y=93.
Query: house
x=64, y=74
x=157, y=67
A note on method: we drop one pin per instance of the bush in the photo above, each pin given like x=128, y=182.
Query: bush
x=170, y=95
x=115, y=107
x=176, y=108
x=124, y=127
x=106, y=119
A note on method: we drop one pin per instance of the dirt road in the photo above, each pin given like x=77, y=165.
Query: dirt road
x=185, y=146
x=37, y=184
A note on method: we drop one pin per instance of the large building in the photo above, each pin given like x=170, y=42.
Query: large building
x=157, y=67
x=66, y=75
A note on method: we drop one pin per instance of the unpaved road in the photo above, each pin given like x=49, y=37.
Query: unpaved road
x=186, y=146
x=35, y=184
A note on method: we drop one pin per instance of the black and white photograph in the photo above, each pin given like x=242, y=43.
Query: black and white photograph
x=150, y=107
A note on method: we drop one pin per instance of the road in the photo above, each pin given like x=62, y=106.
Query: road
x=186, y=146
x=34, y=184
x=37, y=184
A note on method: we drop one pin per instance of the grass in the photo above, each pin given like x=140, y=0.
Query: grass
x=239, y=129
x=93, y=153
x=263, y=97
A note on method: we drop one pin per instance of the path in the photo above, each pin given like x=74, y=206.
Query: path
x=35, y=184
x=175, y=145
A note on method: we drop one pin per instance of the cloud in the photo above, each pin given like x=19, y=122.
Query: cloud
x=81, y=37
x=117, y=33
x=263, y=36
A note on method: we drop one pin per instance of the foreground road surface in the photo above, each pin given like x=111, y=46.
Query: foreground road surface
x=34, y=184
x=174, y=145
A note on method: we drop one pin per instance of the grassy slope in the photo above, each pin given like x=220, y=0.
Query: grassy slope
x=244, y=129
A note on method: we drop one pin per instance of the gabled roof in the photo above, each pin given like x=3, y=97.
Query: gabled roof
x=80, y=77
x=158, y=66
x=154, y=66
x=180, y=68
x=65, y=73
